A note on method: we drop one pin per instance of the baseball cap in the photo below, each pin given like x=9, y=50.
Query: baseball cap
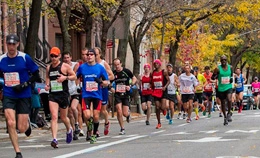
x=55, y=51
x=169, y=64
x=256, y=78
x=12, y=38
x=195, y=68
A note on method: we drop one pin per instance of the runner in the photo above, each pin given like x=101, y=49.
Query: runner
x=17, y=67
x=93, y=77
x=74, y=97
x=198, y=92
x=124, y=79
x=57, y=76
x=187, y=83
x=104, y=90
x=256, y=91
x=160, y=81
x=224, y=75
x=146, y=91
x=171, y=91
x=208, y=91
x=239, y=81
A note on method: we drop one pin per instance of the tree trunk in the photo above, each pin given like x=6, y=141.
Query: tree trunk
x=88, y=29
x=136, y=57
x=104, y=38
x=32, y=34
x=174, y=48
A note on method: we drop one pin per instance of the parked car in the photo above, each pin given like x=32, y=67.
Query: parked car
x=248, y=99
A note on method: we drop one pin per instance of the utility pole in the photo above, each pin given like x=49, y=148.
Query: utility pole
x=113, y=57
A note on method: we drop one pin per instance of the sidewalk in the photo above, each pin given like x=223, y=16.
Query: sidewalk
x=41, y=131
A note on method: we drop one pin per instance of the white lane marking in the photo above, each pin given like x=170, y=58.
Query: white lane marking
x=252, y=116
x=242, y=131
x=4, y=134
x=158, y=132
x=178, y=133
x=98, y=147
x=30, y=146
x=237, y=157
x=30, y=140
x=125, y=136
x=182, y=124
x=206, y=140
x=208, y=132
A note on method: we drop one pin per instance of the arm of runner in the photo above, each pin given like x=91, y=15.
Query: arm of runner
x=165, y=73
x=245, y=80
x=47, y=80
x=109, y=72
x=71, y=74
x=215, y=75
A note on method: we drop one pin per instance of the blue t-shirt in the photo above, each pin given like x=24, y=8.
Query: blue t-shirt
x=17, y=70
x=240, y=83
x=90, y=88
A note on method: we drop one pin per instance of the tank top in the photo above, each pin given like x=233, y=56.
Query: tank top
x=240, y=83
x=171, y=89
x=209, y=86
x=102, y=63
x=72, y=84
x=224, y=79
x=157, y=83
x=146, y=85
x=56, y=87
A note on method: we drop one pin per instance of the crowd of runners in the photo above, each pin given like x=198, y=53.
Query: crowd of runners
x=79, y=91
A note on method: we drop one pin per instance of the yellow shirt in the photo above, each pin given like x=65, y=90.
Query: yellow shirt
x=202, y=80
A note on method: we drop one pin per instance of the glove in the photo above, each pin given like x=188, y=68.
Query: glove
x=98, y=80
x=20, y=87
x=79, y=89
x=231, y=80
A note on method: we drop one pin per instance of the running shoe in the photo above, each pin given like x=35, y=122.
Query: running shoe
x=197, y=117
x=168, y=115
x=106, y=128
x=229, y=119
x=188, y=120
x=93, y=139
x=164, y=112
x=209, y=115
x=81, y=133
x=54, y=143
x=170, y=121
x=75, y=136
x=159, y=126
x=87, y=136
x=128, y=118
x=147, y=122
x=179, y=116
x=240, y=109
x=97, y=134
x=29, y=130
x=122, y=132
x=204, y=113
x=225, y=122
x=77, y=130
x=184, y=116
x=19, y=156
x=69, y=136
x=220, y=114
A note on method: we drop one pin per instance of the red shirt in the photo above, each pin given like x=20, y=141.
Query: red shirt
x=146, y=85
x=157, y=83
x=208, y=86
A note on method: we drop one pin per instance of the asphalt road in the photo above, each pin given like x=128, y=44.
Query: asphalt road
x=204, y=138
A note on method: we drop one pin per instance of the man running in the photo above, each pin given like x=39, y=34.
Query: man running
x=224, y=75
x=124, y=79
x=57, y=76
x=187, y=83
x=208, y=90
x=160, y=81
x=171, y=90
x=93, y=77
x=19, y=73
x=74, y=96
x=146, y=91
x=104, y=90
x=239, y=82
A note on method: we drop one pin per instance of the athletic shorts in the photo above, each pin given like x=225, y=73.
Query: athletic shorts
x=223, y=95
x=186, y=97
x=104, y=96
x=61, y=100
x=237, y=92
x=96, y=103
x=123, y=100
x=173, y=98
x=164, y=96
x=198, y=98
x=256, y=94
x=207, y=95
x=20, y=105
x=146, y=98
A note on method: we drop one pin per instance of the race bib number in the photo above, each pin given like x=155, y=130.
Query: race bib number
x=225, y=80
x=146, y=86
x=256, y=89
x=120, y=88
x=208, y=86
x=11, y=79
x=186, y=89
x=91, y=86
x=56, y=86
x=158, y=85
x=239, y=85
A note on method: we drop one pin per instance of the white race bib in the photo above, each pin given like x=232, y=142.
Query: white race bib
x=91, y=86
x=146, y=86
x=120, y=88
x=158, y=85
x=256, y=89
x=208, y=86
x=225, y=80
x=56, y=86
x=186, y=89
x=11, y=79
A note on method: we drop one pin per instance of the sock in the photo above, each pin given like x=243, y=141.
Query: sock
x=18, y=153
x=95, y=127
x=69, y=130
x=196, y=111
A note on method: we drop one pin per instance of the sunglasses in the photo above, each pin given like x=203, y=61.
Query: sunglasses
x=54, y=56
x=89, y=54
x=223, y=59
